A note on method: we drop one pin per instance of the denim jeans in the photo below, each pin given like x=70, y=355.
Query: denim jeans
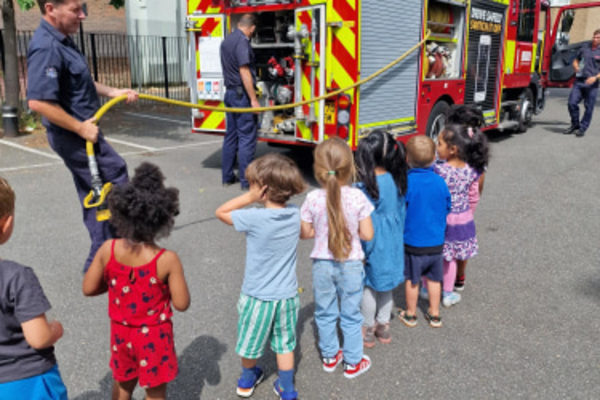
x=343, y=280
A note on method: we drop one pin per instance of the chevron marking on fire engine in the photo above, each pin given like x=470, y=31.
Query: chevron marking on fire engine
x=204, y=6
x=304, y=130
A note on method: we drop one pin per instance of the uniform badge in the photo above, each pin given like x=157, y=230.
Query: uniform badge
x=51, y=72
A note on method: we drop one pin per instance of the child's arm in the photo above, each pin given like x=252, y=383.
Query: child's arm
x=307, y=231
x=180, y=295
x=41, y=334
x=93, y=281
x=481, y=181
x=365, y=229
x=474, y=195
x=253, y=195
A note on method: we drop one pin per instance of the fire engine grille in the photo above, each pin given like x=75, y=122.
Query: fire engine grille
x=388, y=29
x=486, y=30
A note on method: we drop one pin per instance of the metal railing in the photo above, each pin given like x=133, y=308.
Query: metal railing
x=154, y=65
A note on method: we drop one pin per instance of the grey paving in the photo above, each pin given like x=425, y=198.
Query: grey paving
x=527, y=326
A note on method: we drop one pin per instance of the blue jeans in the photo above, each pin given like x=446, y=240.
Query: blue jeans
x=343, y=280
x=240, y=138
x=588, y=94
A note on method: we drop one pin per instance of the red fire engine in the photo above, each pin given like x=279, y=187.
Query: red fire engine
x=497, y=54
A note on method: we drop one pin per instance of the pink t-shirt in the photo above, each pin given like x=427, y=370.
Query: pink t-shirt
x=356, y=207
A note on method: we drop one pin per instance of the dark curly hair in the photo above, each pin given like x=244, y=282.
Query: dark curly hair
x=144, y=210
x=380, y=149
x=465, y=115
x=471, y=143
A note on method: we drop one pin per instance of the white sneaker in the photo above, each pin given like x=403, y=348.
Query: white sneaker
x=450, y=299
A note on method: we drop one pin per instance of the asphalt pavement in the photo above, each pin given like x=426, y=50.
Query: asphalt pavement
x=527, y=326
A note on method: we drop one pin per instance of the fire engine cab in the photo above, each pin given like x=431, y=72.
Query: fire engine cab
x=496, y=54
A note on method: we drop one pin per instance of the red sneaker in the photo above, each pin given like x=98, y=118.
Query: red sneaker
x=330, y=363
x=354, y=370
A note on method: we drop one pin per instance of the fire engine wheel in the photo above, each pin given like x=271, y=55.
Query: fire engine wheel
x=525, y=110
x=437, y=120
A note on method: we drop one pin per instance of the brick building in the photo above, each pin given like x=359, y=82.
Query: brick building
x=102, y=17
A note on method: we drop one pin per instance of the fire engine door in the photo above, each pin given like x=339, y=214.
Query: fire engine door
x=206, y=32
x=310, y=78
x=571, y=32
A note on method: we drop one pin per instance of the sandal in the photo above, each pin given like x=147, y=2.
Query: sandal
x=408, y=320
x=435, y=321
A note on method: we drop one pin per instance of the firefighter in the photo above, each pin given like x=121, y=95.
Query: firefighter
x=238, y=64
x=61, y=89
x=585, y=87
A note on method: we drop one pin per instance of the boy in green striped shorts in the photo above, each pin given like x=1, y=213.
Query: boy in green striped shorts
x=268, y=305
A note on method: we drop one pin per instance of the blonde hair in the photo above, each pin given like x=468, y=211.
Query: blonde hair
x=333, y=168
x=420, y=152
x=7, y=199
x=279, y=173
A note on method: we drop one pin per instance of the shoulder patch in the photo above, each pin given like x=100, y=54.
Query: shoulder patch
x=51, y=73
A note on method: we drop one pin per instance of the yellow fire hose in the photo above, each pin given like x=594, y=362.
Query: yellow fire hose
x=97, y=196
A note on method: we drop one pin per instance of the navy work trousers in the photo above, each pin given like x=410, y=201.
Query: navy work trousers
x=112, y=169
x=587, y=93
x=240, y=138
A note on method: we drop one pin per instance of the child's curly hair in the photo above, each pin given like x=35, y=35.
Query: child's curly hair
x=144, y=210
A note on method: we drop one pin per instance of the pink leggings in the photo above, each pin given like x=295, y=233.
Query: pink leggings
x=449, y=276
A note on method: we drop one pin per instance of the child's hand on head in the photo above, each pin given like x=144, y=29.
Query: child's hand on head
x=257, y=192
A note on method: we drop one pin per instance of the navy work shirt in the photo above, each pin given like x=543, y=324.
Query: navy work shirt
x=58, y=72
x=591, y=60
x=235, y=53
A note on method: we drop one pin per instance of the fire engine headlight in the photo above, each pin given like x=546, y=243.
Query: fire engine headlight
x=343, y=117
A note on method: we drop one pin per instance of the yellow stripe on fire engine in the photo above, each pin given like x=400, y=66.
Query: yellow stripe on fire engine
x=305, y=88
x=390, y=122
x=534, y=57
x=509, y=57
x=214, y=119
x=193, y=5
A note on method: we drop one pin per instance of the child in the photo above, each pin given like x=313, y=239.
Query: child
x=142, y=280
x=338, y=216
x=427, y=205
x=28, y=368
x=381, y=169
x=465, y=153
x=471, y=117
x=270, y=287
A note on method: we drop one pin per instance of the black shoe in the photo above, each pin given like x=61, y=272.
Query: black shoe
x=231, y=182
x=570, y=130
x=579, y=133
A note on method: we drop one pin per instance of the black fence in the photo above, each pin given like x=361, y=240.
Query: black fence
x=150, y=64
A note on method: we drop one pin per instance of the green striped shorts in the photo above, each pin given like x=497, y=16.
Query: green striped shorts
x=261, y=320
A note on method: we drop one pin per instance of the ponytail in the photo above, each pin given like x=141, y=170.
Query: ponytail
x=339, y=240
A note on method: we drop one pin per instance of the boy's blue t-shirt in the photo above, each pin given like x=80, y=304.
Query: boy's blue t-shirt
x=428, y=203
x=272, y=236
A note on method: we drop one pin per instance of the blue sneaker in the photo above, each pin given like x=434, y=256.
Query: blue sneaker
x=450, y=298
x=284, y=395
x=246, y=387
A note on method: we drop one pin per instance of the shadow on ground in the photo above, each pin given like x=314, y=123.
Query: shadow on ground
x=198, y=366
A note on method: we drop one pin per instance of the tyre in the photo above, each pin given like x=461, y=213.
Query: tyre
x=437, y=120
x=526, y=108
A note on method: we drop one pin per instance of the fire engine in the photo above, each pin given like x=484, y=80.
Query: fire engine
x=499, y=55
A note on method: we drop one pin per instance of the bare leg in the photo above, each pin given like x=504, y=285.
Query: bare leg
x=123, y=390
x=412, y=294
x=434, y=297
x=157, y=393
x=461, y=267
x=250, y=363
x=285, y=362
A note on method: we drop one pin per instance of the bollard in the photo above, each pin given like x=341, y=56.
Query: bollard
x=10, y=121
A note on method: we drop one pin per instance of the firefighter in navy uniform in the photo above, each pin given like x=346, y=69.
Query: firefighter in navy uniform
x=237, y=61
x=61, y=88
x=586, y=85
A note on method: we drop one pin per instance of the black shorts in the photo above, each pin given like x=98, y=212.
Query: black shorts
x=418, y=265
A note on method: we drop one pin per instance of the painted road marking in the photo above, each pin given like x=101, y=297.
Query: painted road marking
x=178, y=121
x=130, y=144
x=30, y=150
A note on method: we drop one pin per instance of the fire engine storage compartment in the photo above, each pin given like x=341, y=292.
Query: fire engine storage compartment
x=275, y=77
x=443, y=54
x=388, y=29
